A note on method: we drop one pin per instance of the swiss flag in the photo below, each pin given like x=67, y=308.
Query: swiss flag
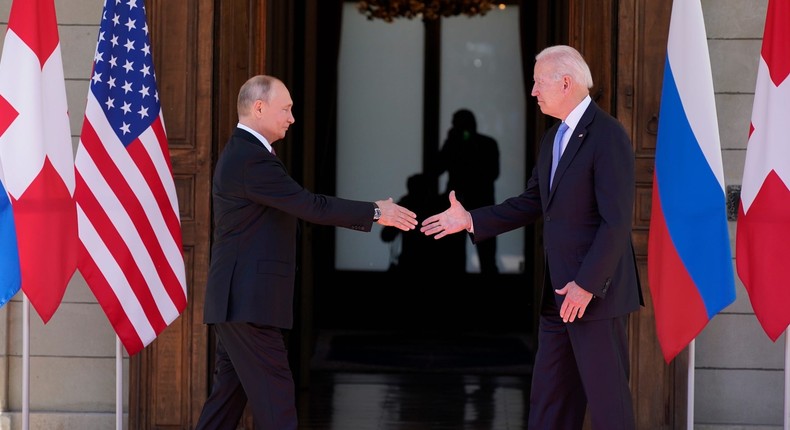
x=36, y=153
x=763, y=235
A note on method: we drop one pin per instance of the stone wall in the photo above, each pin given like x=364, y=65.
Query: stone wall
x=739, y=371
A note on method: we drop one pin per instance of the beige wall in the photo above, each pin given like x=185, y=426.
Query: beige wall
x=739, y=372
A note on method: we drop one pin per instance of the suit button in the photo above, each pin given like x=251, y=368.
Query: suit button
x=548, y=218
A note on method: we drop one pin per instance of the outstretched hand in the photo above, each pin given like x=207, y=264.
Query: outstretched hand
x=395, y=215
x=453, y=220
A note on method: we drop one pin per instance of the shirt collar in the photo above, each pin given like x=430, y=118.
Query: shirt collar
x=576, y=114
x=257, y=136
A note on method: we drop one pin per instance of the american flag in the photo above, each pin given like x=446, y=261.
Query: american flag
x=127, y=211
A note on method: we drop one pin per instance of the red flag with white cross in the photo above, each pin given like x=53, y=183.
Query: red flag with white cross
x=36, y=153
x=763, y=235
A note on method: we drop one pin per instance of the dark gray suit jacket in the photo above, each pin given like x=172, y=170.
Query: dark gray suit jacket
x=256, y=210
x=587, y=214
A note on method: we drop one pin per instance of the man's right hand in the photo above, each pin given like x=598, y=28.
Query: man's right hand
x=453, y=220
x=395, y=215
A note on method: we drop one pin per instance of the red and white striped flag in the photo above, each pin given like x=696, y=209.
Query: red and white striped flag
x=36, y=153
x=128, y=215
x=763, y=234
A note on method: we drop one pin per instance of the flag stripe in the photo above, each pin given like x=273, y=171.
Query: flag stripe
x=140, y=233
x=687, y=43
x=107, y=184
x=146, y=161
x=130, y=331
x=690, y=194
x=680, y=311
x=112, y=243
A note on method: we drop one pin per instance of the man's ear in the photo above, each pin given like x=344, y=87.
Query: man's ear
x=258, y=106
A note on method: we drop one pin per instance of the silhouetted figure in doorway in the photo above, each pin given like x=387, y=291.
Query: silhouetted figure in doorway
x=471, y=161
x=419, y=252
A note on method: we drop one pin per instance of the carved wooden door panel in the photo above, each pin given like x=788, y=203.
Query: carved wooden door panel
x=167, y=380
x=625, y=44
x=659, y=389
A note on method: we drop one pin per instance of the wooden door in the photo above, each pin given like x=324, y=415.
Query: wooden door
x=168, y=378
x=625, y=43
x=203, y=51
x=660, y=390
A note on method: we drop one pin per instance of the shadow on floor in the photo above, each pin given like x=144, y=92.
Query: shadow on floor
x=475, y=353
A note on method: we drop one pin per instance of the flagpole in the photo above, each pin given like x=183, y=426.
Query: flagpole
x=118, y=385
x=690, y=400
x=25, y=362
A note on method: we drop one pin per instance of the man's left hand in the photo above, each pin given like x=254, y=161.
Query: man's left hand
x=575, y=303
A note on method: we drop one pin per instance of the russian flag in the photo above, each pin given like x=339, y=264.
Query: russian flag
x=689, y=259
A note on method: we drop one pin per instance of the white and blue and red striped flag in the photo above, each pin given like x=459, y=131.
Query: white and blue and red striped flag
x=763, y=235
x=689, y=258
x=36, y=157
x=129, y=224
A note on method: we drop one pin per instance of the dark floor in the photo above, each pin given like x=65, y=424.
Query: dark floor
x=381, y=381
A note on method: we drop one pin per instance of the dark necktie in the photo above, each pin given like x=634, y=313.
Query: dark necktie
x=556, y=152
x=274, y=152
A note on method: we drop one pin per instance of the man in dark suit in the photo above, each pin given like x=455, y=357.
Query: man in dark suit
x=591, y=282
x=250, y=288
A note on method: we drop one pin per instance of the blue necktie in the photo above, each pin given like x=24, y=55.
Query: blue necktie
x=556, y=151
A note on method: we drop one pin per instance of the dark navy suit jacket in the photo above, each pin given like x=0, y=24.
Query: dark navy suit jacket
x=587, y=214
x=256, y=210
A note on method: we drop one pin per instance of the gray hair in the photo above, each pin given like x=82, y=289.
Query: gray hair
x=567, y=61
x=256, y=88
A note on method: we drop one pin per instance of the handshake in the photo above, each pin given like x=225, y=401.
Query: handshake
x=452, y=220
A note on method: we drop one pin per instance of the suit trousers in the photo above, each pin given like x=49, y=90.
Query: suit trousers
x=251, y=365
x=580, y=364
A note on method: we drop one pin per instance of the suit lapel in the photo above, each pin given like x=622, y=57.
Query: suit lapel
x=577, y=138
